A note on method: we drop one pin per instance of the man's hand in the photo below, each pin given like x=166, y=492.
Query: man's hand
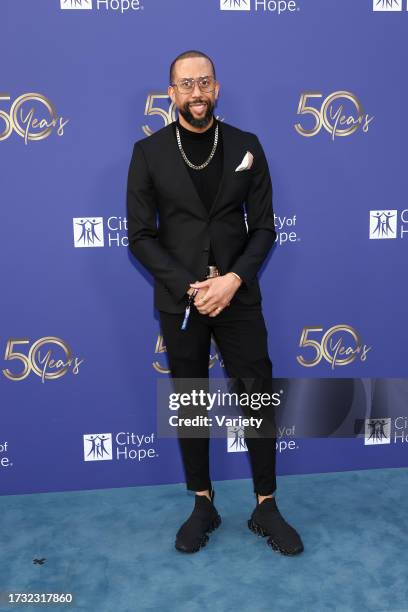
x=215, y=293
x=200, y=292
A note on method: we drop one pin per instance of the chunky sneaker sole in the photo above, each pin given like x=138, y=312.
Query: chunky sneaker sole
x=214, y=525
x=258, y=530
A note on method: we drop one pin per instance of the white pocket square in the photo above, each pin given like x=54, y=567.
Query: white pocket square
x=246, y=163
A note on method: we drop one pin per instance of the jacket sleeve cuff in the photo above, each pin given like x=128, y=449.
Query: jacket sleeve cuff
x=179, y=291
x=236, y=270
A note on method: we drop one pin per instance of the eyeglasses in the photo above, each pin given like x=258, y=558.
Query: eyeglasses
x=205, y=83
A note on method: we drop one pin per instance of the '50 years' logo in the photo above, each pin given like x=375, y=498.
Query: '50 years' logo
x=23, y=120
x=332, y=347
x=47, y=366
x=161, y=349
x=168, y=116
x=336, y=121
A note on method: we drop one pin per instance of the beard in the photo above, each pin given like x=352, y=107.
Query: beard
x=197, y=123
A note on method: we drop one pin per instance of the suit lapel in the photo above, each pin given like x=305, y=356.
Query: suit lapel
x=227, y=165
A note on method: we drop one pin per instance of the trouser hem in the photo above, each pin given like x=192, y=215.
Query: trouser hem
x=199, y=487
x=264, y=492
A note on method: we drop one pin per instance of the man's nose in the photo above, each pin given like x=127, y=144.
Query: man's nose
x=194, y=89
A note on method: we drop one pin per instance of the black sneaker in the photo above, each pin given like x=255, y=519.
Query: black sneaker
x=266, y=520
x=192, y=535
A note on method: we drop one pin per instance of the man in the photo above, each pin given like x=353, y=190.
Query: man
x=195, y=175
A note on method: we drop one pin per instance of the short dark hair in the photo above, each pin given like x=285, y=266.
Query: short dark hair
x=191, y=53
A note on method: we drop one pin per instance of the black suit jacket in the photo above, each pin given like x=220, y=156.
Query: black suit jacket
x=169, y=226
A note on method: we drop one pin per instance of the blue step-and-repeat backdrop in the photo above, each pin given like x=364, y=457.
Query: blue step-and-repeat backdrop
x=323, y=85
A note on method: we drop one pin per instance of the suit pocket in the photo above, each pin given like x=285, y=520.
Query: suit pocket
x=243, y=173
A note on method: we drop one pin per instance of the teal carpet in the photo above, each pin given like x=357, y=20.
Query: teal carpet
x=114, y=549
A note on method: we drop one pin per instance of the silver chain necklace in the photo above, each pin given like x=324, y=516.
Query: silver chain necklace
x=188, y=162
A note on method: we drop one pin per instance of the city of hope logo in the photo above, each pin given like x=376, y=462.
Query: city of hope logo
x=387, y=5
x=388, y=224
x=278, y=7
x=236, y=440
x=235, y=5
x=377, y=431
x=88, y=232
x=383, y=224
x=76, y=4
x=118, y=6
x=98, y=447
x=5, y=461
x=384, y=430
x=122, y=446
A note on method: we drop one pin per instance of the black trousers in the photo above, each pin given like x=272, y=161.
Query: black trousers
x=241, y=337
